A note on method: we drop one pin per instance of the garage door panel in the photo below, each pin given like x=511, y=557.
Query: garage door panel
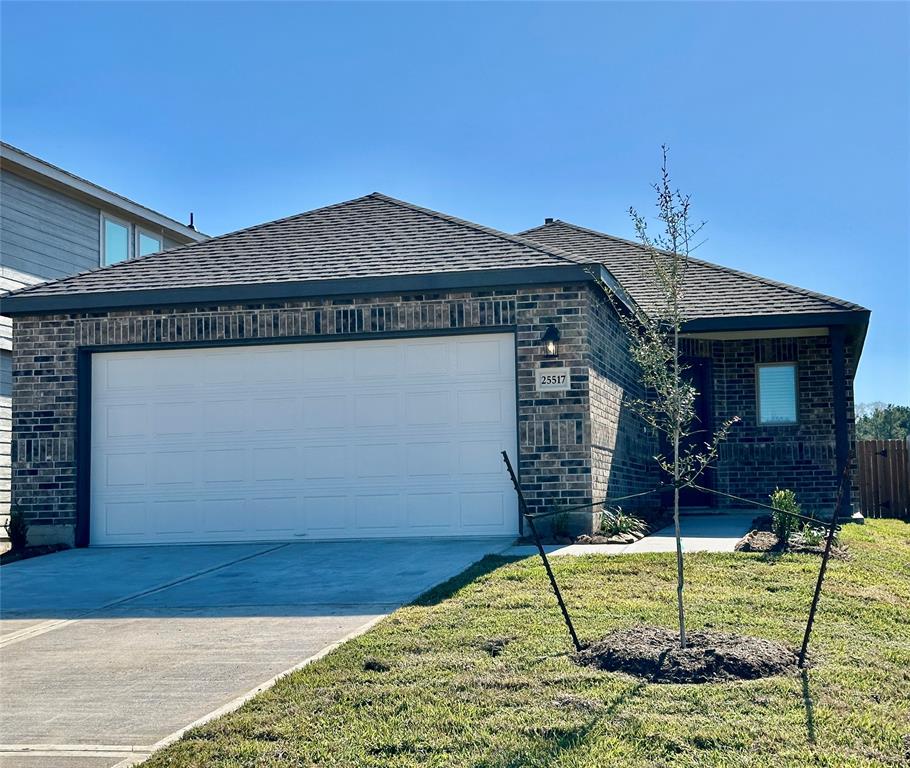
x=223, y=515
x=175, y=418
x=275, y=463
x=428, y=513
x=428, y=360
x=276, y=514
x=175, y=517
x=221, y=369
x=228, y=465
x=325, y=462
x=378, y=511
x=124, y=519
x=224, y=416
x=479, y=356
x=130, y=420
x=428, y=408
x=326, y=412
x=350, y=440
x=482, y=406
x=482, y=509
x=325, y=515
x=172, y=468
x=379, y=410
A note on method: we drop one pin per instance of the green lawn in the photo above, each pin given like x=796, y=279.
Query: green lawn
x=445, y=701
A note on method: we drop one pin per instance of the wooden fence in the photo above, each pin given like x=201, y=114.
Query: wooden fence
x=884, y=477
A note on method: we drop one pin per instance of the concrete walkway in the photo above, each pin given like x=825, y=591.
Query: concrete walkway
x=107, y=654
x=700, y=533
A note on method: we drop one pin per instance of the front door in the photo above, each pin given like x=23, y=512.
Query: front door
x=698, y=371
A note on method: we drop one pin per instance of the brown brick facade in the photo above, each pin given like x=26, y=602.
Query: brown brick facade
x=574, y=447
x=554, y=433
x=758, y=458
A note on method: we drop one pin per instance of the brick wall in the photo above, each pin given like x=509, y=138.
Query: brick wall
x=574, y=447
x=554, y=433
x=622, y=446
x=757, y=458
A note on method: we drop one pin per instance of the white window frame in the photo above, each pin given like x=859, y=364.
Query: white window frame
x=761, y=421
x=129, y=237
x=148, y=233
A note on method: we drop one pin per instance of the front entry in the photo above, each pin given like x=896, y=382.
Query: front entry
x=698, y=371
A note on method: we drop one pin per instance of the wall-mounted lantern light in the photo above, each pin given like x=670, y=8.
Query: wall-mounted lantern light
x=550, y=341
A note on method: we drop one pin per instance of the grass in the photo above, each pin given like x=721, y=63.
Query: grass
x=450, y=697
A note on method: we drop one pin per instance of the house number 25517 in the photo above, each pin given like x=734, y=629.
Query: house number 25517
x=553, y=380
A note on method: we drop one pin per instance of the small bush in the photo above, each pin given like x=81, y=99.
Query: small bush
x=17, y=531
x=812, y=535
x=560, y=525
x=783, y=518
x=615, y=521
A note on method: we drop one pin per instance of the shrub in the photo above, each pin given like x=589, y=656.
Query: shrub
x=783, y=520
x=17, y=530
x=812, y=535
x=559, y=527
x=614, y=521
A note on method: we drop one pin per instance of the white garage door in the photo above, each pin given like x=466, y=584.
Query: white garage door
x=351, y=439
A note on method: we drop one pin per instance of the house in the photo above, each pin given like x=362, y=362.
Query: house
x=54, y=224
x=354, y=372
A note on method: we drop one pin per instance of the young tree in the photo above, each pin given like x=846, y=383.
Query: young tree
x=654, y=333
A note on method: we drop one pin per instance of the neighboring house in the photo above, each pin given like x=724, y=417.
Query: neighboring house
x=354, y=371
x=54, y=224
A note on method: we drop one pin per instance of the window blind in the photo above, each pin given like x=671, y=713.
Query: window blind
x=777, y=394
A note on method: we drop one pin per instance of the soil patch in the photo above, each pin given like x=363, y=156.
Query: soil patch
x=653, y=653
x=761, y=539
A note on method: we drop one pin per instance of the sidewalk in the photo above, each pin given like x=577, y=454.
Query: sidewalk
x=700, y=533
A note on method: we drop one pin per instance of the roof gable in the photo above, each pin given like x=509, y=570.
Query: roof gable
x=710, y=290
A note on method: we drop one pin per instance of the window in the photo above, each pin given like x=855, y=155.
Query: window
x=147, y=243
x=6, y=373
x=115, y=240
x=777, y=394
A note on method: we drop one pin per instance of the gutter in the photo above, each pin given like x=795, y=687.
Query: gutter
x=25, y=303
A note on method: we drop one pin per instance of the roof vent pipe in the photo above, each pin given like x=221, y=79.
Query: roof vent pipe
x=191, y=225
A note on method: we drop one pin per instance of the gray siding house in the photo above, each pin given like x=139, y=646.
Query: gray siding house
x=54, y=224
x=354, y=372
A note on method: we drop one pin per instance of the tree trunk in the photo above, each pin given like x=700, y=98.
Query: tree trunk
x=680, y=583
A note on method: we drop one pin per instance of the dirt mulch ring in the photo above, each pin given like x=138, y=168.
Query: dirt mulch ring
x=765, y=541
x=653, y=653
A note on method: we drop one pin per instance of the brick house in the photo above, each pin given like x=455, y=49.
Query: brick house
x=354, y=371
x=54, y=224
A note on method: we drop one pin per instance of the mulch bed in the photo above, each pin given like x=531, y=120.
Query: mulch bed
x=653, y=653
x=761, y=539
x=12, y=556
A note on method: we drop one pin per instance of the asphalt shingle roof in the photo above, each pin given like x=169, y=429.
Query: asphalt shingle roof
x=380, y=237
x=371, y=236
x=710, y=290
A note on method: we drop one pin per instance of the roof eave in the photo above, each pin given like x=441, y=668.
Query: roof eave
x=38, y=170
x=26, y=304
x=856, y=317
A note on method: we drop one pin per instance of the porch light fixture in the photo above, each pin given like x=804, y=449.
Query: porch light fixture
x=550, y=341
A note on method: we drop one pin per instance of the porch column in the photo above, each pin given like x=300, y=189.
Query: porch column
x=841, y=433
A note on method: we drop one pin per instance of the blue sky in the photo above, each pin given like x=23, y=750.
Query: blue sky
x=788, y=123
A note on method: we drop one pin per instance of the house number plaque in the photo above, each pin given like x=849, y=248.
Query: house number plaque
x=553, y=380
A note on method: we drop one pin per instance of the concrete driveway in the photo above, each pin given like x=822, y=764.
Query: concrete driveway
x=107, y=653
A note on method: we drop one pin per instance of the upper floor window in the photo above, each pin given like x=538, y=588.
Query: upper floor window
x=777, y=394
x=147, y=243
x=115, y=240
